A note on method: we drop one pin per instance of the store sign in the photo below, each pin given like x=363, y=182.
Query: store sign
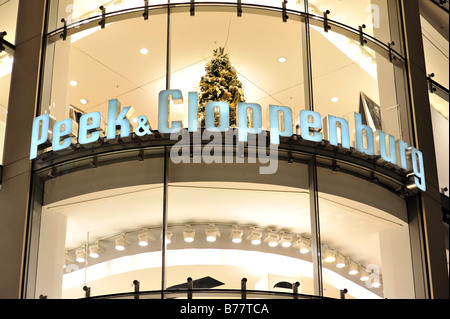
x=338, y=131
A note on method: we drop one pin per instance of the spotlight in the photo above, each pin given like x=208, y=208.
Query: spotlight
x=169, y=237
x=375, y=281
x=363, y=275
x=81, y=255
x=340, y=261
x=236, y=235
x=121, y=242
x=282, y=59
x=189, y=234
x=211, y=233
x=304, y=246
x=144, y=238
x=330, y=256
x=73, y=83
x=95, y=250
x=84, y=101
x=144, y=51
x=255, y=237
x=286, y=240
x=353, y=268
x=272, y=238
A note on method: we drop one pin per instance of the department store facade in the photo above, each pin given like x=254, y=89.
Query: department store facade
x=330, y=185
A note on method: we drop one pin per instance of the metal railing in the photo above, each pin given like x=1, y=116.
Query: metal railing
x=204, y=293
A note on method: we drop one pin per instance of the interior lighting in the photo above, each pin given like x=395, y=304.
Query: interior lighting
x=144, y=51
x=6, y=64
x=353, y=269
x=84, y=101
x=340, y=261
x=236, y=235
x=363, y=275
x=81, y=255
x=95, y=250
x=334, y=99
x=286, y=240
x=375, y=281
x=121, y=242
x=169, y=237
x=255, y=237
x=272, y=239
x=144, y=238
x=189, y=234
x=73, y=83
x=282, y=59
x=330, y=256
x=304, y=246
x=211, y=233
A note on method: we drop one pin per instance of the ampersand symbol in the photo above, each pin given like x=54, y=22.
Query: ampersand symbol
x=143, y=127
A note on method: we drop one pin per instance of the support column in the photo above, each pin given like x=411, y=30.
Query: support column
x=425, y=208
x=23, y=101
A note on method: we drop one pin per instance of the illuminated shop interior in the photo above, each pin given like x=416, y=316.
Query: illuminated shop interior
x=101, y=224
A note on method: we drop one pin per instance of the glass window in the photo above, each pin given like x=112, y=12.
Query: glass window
x=350, y=78
x=126, y=61
x=436, y=53
x=364, y=242
x=100, y=226
x=224, y=220
x=374, y=15
x=228, y=223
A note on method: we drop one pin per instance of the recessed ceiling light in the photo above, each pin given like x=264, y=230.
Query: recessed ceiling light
x=73, y=83
x=84, y=101
x=144, y=51
x=282, y=60
x=334, y=99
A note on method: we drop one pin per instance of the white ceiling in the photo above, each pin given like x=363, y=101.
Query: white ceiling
x=107, y=64
x=109, y=213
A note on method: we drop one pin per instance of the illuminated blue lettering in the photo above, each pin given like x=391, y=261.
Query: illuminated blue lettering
x=116, y=119
x=210, y=114
x=418, y=169
x=193, y=112
x=331, y=125
x=90, y=125
x=402, y=148
x=310, y=126
x=62, y=134
x=243, y=120
x=275, y=132
x=381, y=149
x=359, y=134
x=39, y=135
x=163, y=108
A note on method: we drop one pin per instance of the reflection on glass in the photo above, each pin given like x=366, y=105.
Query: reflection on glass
x=364, y=243
x=349, y=78
x=354, y=13
x=270, y=74
x=90, y=68
x=230, y=226
x=104, y=234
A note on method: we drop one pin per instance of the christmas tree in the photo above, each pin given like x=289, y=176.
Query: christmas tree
x=220, y=84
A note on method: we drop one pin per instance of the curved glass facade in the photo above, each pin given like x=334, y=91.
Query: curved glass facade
x=129, y=210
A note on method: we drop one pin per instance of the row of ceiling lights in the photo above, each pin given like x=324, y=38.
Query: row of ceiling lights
x=145, y=51
x=273, y=239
